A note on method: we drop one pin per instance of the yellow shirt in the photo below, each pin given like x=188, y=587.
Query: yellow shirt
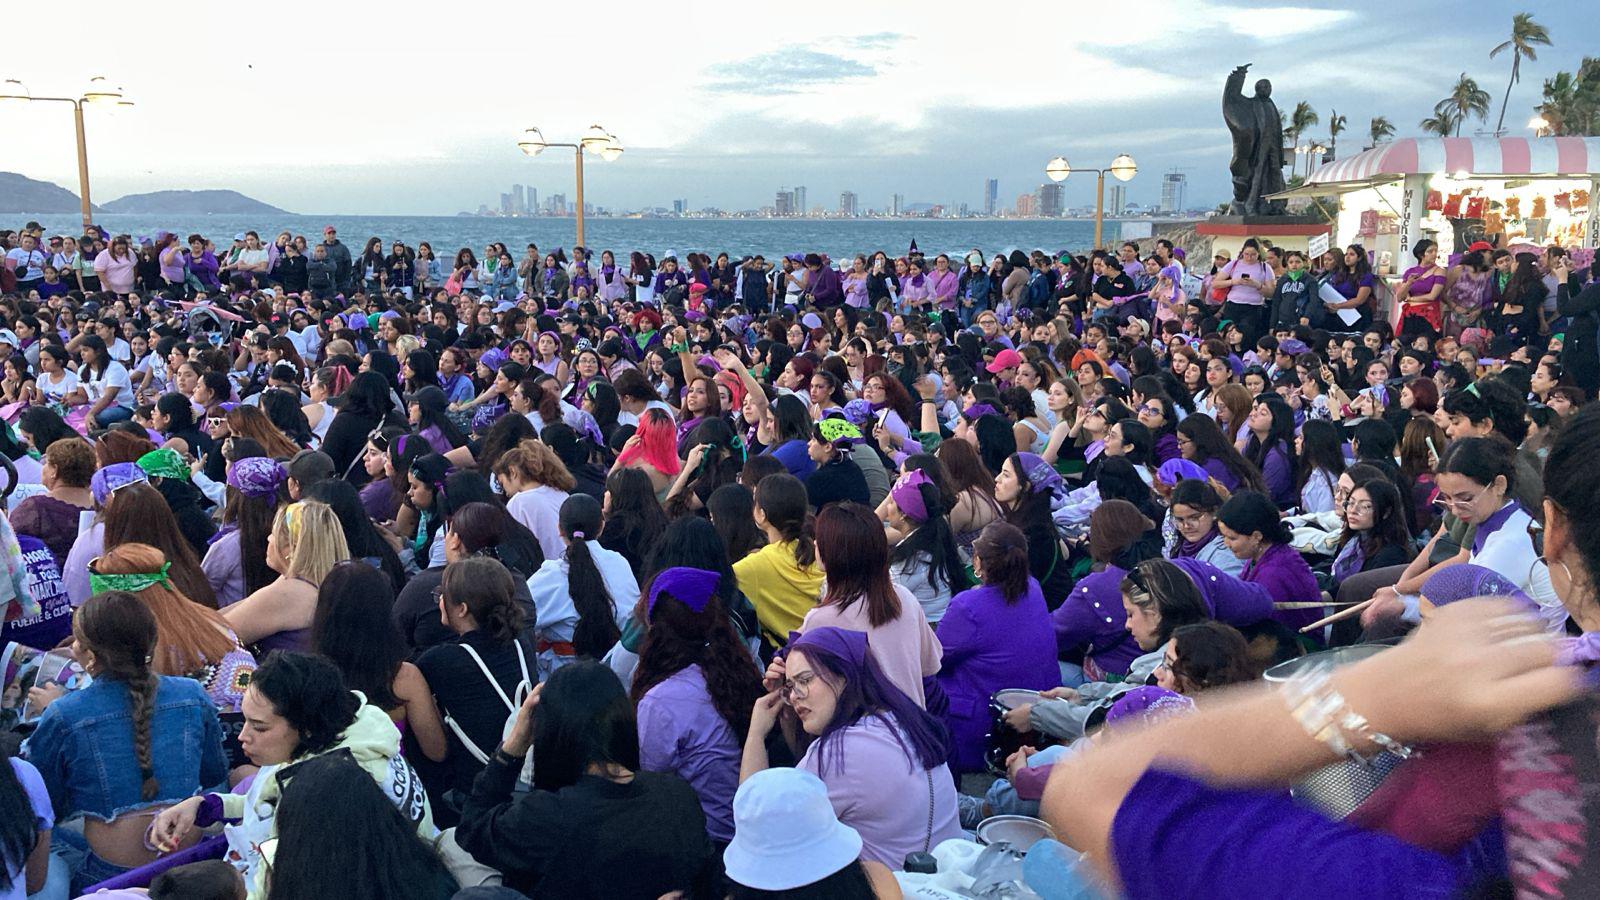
x=779, y=588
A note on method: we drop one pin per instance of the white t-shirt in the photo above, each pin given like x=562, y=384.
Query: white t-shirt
x=114, y=381
x=249, y=257
x=28, y=264
x=1509, y=550
x=57, y=390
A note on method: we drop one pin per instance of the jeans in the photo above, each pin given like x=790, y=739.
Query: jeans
x=85, y=868
x=1002, y=797
x=112, y=415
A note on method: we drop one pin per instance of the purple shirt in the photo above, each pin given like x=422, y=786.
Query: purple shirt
x=1287, y=578
x=1092, y=614
x=1172, y=829
x=224, y=568
x=682, y=733
x=1218, y=469
x=991, y=645
x=1228, y=599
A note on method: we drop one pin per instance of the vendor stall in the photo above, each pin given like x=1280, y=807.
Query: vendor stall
x=1508, y=191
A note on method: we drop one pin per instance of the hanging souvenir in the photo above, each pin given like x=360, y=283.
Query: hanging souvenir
x=1539, y=208
x=1493, y=223
x=1580, y=199
x=1564, y=200
x=1435, y=201
x=1513, y=207
x=1452, y=205
x=1475, y=207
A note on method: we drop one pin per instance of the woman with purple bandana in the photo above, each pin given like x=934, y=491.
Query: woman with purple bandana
x=694, y=686
x=881, y=756
x=1030, y=489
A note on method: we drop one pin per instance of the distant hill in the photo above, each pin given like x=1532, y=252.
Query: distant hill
x=21, y=194
x=191, y=203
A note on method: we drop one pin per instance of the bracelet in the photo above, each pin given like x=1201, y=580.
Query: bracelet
x=1327, y=717
x=505, y=758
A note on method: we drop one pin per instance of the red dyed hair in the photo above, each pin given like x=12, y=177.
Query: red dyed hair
x=658, y=442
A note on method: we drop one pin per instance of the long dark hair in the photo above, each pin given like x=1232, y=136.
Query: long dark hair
x=584, y=719
x=309, y=691
x=360, y=535
x=1280, y=436
x=854, y=552
x=732, y=509
x=1003, y=548
x=368, y=396
x=679, y=637
x=1247, y=512
x=486, y=587
x=17, y=828
x=253, y=517
x=122, y=633
x=432, y=409
x=138, y=514
x=330, y=808
x=783, y=500
x=597, y=630
x=1320, y=448
x=1210, y=443
x=354, y=628
x=934, y=539
x=1388, y=520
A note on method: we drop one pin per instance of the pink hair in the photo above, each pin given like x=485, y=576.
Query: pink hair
x=658, y=443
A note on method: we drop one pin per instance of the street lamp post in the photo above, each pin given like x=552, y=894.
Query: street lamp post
x=595, y=140
x=1122, y=168
x=98, y=91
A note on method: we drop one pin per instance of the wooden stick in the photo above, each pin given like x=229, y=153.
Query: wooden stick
x=1341, y=614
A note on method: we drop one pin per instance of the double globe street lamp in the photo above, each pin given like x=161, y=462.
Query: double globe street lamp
x=1122, y=168
x=596, y=140
x=99, y=92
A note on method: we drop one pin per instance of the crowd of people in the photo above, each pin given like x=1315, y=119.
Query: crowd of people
x=559, y=577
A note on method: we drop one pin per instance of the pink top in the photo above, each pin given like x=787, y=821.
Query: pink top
x=117, y=274
x=906, y=648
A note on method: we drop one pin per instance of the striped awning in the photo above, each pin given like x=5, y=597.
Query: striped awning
x=1475, y=156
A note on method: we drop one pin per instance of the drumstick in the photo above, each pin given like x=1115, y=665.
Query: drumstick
x=1341, y=614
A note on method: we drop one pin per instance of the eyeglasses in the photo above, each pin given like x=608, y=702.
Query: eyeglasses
x=1458, y=502
x=1358, y=506
x=1342, y=494
x=799, y=687
x=1153, y=409
x=1189, y=521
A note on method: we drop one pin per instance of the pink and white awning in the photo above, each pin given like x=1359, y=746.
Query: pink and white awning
x=1475, y=156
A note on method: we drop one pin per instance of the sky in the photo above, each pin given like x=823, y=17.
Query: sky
x=336, y=108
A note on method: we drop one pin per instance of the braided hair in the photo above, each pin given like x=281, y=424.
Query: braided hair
x=121, y=632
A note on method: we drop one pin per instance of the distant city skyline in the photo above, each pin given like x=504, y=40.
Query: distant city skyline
x=880, y=100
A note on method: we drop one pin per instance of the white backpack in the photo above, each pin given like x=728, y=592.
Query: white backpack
x=513, y=704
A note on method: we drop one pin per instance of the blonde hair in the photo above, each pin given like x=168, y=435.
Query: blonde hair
x=404, y=344
x=310, y=538
x=533, y=460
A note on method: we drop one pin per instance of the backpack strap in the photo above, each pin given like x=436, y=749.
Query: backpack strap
x=521, y=689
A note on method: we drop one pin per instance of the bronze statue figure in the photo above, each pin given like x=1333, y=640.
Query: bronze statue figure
x=1257, y=164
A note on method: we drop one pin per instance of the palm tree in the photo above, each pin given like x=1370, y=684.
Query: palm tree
x=1380, y=128
x=1572, y=101
x=1302, y=118
x=1336, y=124
x=1466, y=99
x=1442, y=122
x=1525, y=35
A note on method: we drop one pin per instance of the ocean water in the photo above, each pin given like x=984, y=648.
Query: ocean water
x=839, y=238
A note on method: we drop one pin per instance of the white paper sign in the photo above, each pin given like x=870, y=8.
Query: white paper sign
x=1318, y=245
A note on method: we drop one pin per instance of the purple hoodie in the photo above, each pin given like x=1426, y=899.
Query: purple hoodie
x=1287, y=578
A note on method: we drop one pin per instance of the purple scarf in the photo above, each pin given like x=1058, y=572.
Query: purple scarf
x=1192, y=548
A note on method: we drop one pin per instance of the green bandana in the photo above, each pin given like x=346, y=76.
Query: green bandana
x=834, y=429
x=133, y=583
x=164, y=463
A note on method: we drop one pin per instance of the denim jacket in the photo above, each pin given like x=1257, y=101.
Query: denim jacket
x=84, y=748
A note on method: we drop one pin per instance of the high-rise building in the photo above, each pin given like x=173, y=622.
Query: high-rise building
x=1051, y=200
x=800, y=207
x=679, y=207
x=1027, y=206
x=848, y=204
x=505, y=204
x=783, y=204
x=1174, y=185
x=519, y=200
x=991, y=196
x=533, y=201
x=556, y=205
x=1116, y=199
x=897, y=205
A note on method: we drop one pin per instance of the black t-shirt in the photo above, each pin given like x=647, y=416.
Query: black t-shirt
x=1114, y=288
x=594, y=839
x=465, y=695
x=841, y=480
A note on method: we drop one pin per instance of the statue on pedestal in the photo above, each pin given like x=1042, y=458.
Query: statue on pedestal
x=1257, y=164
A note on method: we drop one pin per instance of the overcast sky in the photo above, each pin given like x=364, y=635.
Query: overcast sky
x=359, y=109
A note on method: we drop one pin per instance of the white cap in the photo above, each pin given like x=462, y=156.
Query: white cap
x=785, y=833
x=7, y=336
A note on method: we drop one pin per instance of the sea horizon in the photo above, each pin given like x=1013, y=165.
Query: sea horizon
x=770, y=237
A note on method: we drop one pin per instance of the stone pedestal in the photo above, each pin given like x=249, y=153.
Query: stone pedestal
x=1288, y=232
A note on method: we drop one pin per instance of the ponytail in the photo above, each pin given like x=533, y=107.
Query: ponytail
x=783, y=500
x=597, y=631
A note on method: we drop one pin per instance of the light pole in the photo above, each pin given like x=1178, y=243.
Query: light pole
x=595, y=140
x=1122, y=168
x=1540, y=126
x=99, y=91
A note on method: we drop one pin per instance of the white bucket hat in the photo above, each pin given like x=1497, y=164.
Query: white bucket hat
x=785, y=833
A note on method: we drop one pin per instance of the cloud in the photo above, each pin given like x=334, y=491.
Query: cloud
x=1276, y=24
x=787, y=72
x=883, y=40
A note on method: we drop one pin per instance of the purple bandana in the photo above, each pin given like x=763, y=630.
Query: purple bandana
x=846, y=645
x=691, y=587
x=113, y=478
x=492, y=359
x=1146, y=704
x=257, y=476
x=857, y=412
x=1041, y=475
x=977, y=411
x=1175, y=470
x=907, y=494
x=1463, y=580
